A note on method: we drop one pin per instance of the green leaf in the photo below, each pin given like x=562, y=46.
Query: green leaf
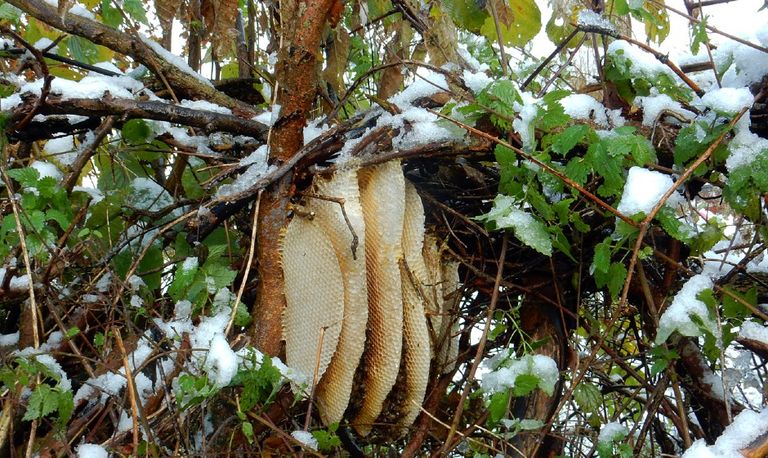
x=135, y=9
x=56, y=215
x=519, y=21
x=66, y=406
x=578, y=170
x=498, y=406
x=467, y=14
x=327, y=440
x=561, y=242
x=540, y=204
x=26, y=176
x=259, y=384
x=221, y=274
x=150, y=267
x=608, y=167
x=601, y=261
x=605, y=450
x=564, y=142
x=242, y=316
x=136, y=132
x=694, y=139
x=182, y=280
x=588, y=397
x=674, y=226
x=553, y=116
x=42, y=402
x=661, y=358
x=247, y=429
x=110, y=15
x=525, y=384
x=656, y=21
x=98, y=340
x=9, y=12
x=83, y=50
x=707, y=237
x=616, y=276
x=736, y=310
x=699, y=34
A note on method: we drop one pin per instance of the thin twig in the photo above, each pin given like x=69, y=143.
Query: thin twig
x=481, y=345
x=251, y=253
x=87, y=153
x=499, y=38
x=549, y=58
x=131, y=387
x=25, y=254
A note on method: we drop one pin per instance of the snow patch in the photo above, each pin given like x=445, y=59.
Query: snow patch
x=505, y=376
x=612, y=431
x=685, y=305
x=754, y=331
x=91, y=451
x=587, y=108
x=728, y=99
x=306, y=438
x=644, y=189
x=746, y=427
x=427, y=83
x=46, y=169
x=173, y=59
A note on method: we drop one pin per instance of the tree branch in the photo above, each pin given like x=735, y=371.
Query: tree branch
x=191, y=85
x=128, y=109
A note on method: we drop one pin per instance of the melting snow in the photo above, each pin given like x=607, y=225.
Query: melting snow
x=504, y=377
x=586, y=107
x=476, y=81
x=205, y=106
x=426, y=84
x=7, y=340
x=76, y=9
x=643, y=63
x=728, y=100
x=422, y=129
x=588, y=19
x=746, y=427
x=148, y=195
x=754, y=331
x=173, y=59
x=612, y=431
x=644, y=189
x=93, y=86
x=653, y=106
x=62, y=149
x=685, y=304
x=306, y=438
x=46, y=169
x=91, y=451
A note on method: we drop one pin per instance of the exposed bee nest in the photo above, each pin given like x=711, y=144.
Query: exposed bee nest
x=382, y=310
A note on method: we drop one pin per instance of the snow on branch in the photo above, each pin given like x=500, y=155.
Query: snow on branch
x=155, y=58
x=129, y=109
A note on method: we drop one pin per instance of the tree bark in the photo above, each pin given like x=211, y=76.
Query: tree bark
x=302, y=24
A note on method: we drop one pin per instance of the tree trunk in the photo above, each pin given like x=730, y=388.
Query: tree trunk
x=302, y=24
